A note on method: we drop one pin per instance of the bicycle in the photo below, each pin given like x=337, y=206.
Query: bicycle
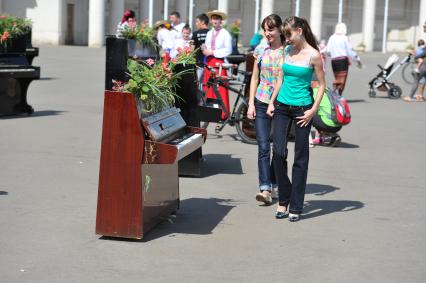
x=238, y=116
x=408, y=72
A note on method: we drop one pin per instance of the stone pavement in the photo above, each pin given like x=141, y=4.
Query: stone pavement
x=364, y=215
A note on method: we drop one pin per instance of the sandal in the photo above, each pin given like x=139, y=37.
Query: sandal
x=265, y=198
x=419, y=97
x=407, y=98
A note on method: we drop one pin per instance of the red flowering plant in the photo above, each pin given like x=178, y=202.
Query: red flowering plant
x=12, y=27
x=153, y=83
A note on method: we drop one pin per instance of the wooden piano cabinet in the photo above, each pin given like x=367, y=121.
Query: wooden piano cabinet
x=120, y=197
x=138, y=177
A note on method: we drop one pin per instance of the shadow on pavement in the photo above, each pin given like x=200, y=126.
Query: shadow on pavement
x=3, y=193
x=47, y=78
x=195, y=216
x=214, y=164
x=320, y=190
x=41, y=113
x=355, y=100
x=348, y=145
x=315, y=208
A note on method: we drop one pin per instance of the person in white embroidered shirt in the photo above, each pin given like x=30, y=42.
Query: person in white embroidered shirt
x=340, y=50
x=218, y=45
x=164, y=36
x=177, y=26
x=181, y=43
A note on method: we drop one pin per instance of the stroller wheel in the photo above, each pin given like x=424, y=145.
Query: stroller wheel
x=371, y=93
x=395, y=92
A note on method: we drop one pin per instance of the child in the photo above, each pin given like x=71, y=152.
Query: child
x=182, y=43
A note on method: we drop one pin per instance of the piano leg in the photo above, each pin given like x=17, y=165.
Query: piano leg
x=13, y=96
x=23, y=106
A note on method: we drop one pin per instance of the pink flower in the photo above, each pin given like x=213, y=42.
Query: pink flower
x=150, y=61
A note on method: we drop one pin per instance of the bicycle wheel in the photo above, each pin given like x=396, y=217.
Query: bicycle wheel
x=408, y=72
x=244, y=125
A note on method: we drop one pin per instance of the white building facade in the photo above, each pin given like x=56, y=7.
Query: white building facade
x=86, y=22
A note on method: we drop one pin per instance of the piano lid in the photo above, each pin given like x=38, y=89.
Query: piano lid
x=163, y=125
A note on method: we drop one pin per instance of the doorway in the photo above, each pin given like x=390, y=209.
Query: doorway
x=69, y=39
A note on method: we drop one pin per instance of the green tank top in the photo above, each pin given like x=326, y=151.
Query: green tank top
x=295, y=89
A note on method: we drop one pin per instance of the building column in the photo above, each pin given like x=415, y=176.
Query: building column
x=222, y=5
x=316, y=17
x=117, y=11
x=422, y=20
x=266, y=9
x=96, y=23
x=368, y=15
x=182, y=8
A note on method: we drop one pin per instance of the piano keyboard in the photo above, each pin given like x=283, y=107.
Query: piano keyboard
x=189, y=144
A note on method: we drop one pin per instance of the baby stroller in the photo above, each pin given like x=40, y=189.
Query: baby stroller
x=381, y=81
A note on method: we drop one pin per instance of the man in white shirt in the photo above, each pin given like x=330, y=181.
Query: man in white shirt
x=176, y=24
x=218, y=45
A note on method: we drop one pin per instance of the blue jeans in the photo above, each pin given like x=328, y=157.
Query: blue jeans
x=291, y=193
x=263, y=129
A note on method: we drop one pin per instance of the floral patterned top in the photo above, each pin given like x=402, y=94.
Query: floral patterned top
x=271, y=62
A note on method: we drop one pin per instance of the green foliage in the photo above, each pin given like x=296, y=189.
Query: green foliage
x=141, y=33
x=153, y=83
x=12, y=27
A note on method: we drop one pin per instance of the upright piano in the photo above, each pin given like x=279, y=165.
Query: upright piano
x=138, y=175
x=15, y=76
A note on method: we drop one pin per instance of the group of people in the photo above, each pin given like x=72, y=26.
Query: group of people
x=288, y=87
x=281, y=92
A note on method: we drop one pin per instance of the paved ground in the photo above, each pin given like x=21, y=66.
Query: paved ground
x=364, y=215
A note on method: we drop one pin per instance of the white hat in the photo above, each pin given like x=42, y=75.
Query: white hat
x=217, y=13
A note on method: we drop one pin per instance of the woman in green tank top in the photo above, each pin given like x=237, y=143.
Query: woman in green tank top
x=292, y=101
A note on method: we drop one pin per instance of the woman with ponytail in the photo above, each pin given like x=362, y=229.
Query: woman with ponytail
x=292, y=101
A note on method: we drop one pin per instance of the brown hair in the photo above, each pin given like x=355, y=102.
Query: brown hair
x=274, y=21
x=296, y=22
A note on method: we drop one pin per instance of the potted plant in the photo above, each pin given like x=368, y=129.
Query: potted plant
x=144, y=36
x=12, y=31
x=153, y=84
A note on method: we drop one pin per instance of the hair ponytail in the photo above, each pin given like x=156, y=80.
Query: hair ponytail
x=296, y=22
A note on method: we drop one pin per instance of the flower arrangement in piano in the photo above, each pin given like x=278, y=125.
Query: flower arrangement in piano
x=185, y=55
x=12, y=27
x=142, y=33
x=153, y=83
